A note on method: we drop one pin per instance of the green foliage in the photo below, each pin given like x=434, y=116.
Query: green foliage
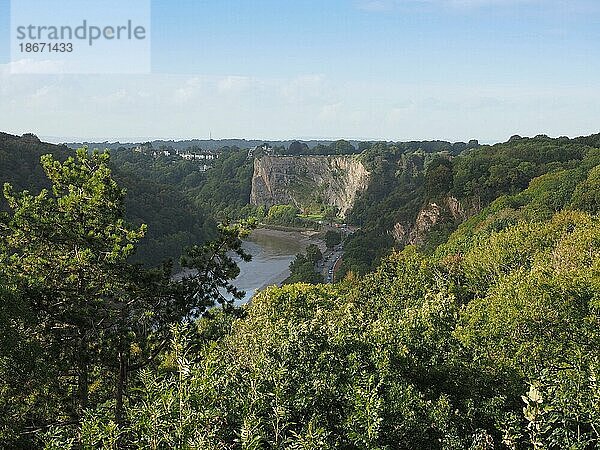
x=313, y=253
x=283, y=215
x=161, y=193
x=405, y=177
x=547, y=194
x=20, y=162
x=397, y=190
x=304, y=267
x=489, y=342
x=536, y=315
x=226, y=189
x=84, y=319
x=332, y=238
x=493, y=346
x=340, y=147
x=64, y=254
x=536, y=176
x=364, y=250
x=297, y=148
x=587, y=194
x=155, y=193
x=490, y=171
x=438, y=177
x=213, y=267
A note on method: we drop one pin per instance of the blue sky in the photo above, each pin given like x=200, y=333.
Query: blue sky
x=397, y=40
x=376, y=69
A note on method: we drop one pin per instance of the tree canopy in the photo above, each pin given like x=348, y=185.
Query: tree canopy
x=487, y=338
x=84, y=319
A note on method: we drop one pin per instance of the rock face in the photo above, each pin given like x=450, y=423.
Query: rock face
x=450, y=209
x=308, y=181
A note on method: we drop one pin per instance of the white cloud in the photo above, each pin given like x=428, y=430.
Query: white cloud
x=30, y=66
x=189, y=90
x=233, y=84
x=114, y=98
x=304, y=89
x=120, y=106
x=330, y=112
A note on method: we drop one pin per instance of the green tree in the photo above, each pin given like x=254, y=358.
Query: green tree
x=313, y=253
x=65, y=252
x=297, y=148
x=304, y=267
x=587, y=195
x=438, y=177
x=87, y=320
x=332, y=238
x=283, y=215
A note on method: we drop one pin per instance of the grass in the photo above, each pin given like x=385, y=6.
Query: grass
x=315, y=217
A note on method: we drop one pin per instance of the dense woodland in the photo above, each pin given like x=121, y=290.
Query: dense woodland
x=154, y=194
x=407, y=177
x=484, y=336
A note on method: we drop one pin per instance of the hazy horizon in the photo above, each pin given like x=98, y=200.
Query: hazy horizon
x=136, y=140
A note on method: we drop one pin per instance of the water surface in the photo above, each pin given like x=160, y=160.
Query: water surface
x=272, y=252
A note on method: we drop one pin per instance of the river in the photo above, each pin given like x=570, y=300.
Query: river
x=272, y=252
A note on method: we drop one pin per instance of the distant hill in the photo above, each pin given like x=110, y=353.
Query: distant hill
x=212, y=144
x=312, y=146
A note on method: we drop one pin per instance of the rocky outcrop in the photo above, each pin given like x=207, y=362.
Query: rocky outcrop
x=308, y=181
x=450, y=209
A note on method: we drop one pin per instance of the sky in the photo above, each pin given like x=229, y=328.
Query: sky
x=360, y=69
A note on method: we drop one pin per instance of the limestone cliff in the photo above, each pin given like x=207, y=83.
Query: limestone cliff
x=447, y=210
x=308, y=181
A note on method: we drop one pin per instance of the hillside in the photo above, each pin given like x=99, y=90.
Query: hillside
x=486, y=340
x=420, y=198
x=173, y=220
x=414, y=193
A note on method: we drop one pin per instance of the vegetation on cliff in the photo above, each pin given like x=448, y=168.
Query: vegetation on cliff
x=488, y=340
x=406, y=184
